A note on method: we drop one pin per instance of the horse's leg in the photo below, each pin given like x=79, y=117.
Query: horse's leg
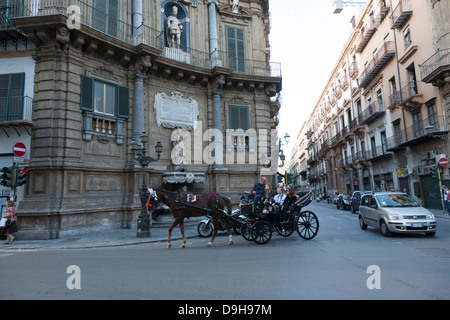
x=183, y=245
x=216, y=226
x=227, y=225
x=174, y=224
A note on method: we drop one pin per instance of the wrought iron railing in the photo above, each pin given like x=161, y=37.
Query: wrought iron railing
x=16, y=108
x=439, y=59
x=88, y=15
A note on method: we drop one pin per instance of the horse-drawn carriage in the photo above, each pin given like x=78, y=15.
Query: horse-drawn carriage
x=254, y=221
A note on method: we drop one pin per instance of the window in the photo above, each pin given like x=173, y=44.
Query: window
x=412, y=80
x=407, y=37
x=384, y=144
x=380, y=100
x=11, y=96
x=397, y=132
x=417, y=124
x=239, y=118
x=105, y=98
x=432, y=116
x=106, y=105
x=393, y=89
x=106, y=16
x=236, y=48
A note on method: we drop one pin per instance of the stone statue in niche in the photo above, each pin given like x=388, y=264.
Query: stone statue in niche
x=234, y=6
x=174, y=29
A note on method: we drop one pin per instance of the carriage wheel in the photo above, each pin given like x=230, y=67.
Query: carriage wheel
x=261, y=232
x=245, y=231
x=307, y=225
x=285, y=230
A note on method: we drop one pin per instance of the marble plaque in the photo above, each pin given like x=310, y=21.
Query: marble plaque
x=175, y=111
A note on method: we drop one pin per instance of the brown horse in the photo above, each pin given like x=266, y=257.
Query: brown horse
x=183, y=206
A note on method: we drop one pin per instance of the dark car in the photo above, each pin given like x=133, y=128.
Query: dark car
x=356, y=200
x=343, y=202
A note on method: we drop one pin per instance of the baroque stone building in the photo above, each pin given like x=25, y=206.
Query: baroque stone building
x=194, y=75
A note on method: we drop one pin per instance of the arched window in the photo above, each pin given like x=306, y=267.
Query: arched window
x=183, y=18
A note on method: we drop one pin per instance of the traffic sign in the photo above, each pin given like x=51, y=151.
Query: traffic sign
x=443, y=162
x=19, y=149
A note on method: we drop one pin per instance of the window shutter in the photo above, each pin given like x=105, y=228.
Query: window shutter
x=244, y=118
x=240, y=50
x=123, y=102
x=4, y=85
x=239, y=118
x=87, y=93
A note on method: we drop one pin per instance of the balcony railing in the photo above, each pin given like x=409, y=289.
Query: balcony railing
x=401, y=14
x=384, y=55
x=379, y=152
x=16, y=108
x=423, y=131
x=373, y=112
x=437, y=64
x=125, y=32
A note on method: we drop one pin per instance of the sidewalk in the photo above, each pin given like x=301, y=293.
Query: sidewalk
x=110, y=238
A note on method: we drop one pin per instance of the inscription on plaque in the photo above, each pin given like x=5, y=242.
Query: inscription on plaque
x=175, y=111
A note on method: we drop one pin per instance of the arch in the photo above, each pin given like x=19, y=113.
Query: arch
x=183, y=16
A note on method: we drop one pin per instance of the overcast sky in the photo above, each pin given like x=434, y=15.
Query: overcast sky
x=307, y=38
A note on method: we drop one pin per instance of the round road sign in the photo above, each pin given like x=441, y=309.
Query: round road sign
x=19, y=149
x=443, y=162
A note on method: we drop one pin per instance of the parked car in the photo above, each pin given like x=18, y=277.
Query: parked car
x=395, y=212
x=343, y=202
x=356, y=199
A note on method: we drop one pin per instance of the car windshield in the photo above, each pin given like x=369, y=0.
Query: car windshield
x=396, y=200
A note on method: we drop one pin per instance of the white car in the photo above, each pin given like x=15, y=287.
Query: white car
x=395, y=212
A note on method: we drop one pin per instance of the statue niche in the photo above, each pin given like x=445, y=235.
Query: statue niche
x=176, y=26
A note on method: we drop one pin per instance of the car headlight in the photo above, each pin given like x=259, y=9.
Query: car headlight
x=430, y=216
x=395, y=217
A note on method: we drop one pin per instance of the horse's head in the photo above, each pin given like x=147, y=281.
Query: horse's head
x=152, y=198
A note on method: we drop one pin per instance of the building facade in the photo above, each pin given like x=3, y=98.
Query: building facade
x=194, y=75
x=380, y=122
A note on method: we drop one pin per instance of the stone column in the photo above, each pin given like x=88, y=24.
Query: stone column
x=138, y=107
x=137, y=21
x=217, y=126
x=213, y=38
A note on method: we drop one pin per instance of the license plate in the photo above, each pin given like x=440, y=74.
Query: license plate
x=417, y=225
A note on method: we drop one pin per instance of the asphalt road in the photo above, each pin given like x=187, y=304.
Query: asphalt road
x=342, y=262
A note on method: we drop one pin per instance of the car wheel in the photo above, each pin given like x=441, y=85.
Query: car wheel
x=384, y=229
x=361, y=223
x=430, y=234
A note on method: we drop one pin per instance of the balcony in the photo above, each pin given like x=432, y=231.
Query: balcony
x=372, y=113
x=384, y=55
x=16, y=109
x=370, y=27
x=410, y=96
x=379, y=153
x=394, y=143
x=401, y=14
x=7, y=29
x=436, y=69
x=93, y=21
x=425, y=131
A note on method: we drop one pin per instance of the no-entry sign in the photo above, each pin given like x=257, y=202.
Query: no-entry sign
x=19, y=149
x=443, y=162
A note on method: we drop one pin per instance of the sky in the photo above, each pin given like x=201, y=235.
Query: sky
x=307, y=38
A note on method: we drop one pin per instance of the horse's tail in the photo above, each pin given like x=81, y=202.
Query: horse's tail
x=229, y=205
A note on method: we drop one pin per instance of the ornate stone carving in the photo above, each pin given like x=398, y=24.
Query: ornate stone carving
x=143, y=65
x=175, y=111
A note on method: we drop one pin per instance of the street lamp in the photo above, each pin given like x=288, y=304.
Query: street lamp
x=287, y=138
x=139, y=154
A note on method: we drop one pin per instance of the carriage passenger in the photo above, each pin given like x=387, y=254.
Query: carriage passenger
x=290, y=199
x=279, y=199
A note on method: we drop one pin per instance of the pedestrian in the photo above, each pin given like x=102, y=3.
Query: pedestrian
x=290, y=199
x=11, y=226
x=447, y=197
